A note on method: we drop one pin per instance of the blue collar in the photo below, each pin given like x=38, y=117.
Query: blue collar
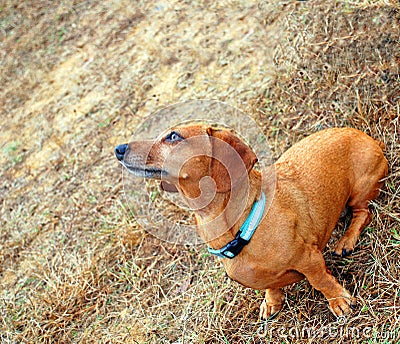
x=246, y=231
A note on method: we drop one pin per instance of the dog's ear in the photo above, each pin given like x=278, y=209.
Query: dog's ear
x=229, y=153
x=168, y=187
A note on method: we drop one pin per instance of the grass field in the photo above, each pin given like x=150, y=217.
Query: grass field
x=77, y=77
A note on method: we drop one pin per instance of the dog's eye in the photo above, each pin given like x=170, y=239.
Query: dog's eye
x=173, y=136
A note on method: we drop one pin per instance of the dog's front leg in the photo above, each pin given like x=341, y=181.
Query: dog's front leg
x=272, y=303
x=312, y=265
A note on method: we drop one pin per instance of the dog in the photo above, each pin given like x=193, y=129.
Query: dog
x=305, y=192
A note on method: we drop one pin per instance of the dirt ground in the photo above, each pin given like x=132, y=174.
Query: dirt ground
x=77, y=77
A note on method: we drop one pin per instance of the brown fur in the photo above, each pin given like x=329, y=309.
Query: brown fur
x=314, y=181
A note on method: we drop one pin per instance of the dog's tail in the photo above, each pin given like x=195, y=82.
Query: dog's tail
x=381, y=144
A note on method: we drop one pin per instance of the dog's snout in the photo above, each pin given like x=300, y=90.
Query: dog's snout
x=120, y=151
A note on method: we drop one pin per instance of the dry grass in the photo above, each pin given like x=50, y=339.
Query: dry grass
x=77, y=78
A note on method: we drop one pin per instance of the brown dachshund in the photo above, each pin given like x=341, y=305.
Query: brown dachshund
x=305, y=190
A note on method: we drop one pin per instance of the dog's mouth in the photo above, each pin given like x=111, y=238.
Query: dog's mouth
x=145, y=171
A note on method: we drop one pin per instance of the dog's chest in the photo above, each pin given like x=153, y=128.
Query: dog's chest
x=250, y=274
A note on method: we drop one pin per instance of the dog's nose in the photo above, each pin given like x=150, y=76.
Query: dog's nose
x=120, y=151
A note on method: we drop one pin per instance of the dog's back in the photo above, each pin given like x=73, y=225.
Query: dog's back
x=331, y=168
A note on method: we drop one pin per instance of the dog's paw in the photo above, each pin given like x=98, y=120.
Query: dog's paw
x=269, y=311
x=342, y=305
x=344, y=247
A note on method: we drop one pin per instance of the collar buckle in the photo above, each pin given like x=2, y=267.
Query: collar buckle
x=246, y=231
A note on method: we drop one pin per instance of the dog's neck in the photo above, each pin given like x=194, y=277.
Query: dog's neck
x=219, y=221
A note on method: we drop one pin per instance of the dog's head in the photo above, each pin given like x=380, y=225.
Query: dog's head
x=190, y=159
